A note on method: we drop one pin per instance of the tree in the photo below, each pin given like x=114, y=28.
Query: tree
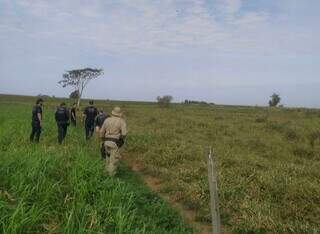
x=79, y=79
x=275, y=100
x=74, y=94
x=165, y=100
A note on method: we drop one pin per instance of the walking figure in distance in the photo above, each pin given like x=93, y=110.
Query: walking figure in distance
x=36, y=122
x=89, y=113
x=62, y=119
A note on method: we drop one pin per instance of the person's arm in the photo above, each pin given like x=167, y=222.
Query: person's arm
x=56, y=116
x=97, y=125
x=96, y=121
x=124, y=131
x=102, y=132
x=67, y=115
x=96, y=113
x=84, y=115
x=39, y=115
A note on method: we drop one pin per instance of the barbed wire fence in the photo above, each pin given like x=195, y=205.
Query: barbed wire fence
x=213, y=186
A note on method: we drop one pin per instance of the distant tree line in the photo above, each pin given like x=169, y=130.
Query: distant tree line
x=40, y=95
x=197, y=102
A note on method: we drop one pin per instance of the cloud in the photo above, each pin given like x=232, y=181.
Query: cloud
x=125, y=25
x=230, y=7
x=150, y=27
x=188, y=48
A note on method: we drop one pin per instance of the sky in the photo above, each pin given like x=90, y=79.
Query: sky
x=235, y=52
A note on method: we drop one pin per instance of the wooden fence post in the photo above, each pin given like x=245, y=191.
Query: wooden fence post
x=214, y=201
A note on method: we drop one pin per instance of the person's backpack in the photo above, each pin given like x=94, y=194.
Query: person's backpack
x=100, y=119
x=61, y=114
x=91, y=112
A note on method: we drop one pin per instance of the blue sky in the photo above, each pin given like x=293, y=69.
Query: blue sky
x=222, y=51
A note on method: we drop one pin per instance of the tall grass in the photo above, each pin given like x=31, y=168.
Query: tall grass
x=47, y=188
x=268, y=169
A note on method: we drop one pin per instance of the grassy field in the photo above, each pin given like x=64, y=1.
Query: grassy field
x=268, y=164
x=47, y=188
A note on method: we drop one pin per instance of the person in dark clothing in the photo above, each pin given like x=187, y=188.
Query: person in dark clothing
x=90, y=113
x=62, y=119
x=101, y=117
x=36, y=122
x=73, y=115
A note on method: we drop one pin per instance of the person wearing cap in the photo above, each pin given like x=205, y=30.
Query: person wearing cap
x=90, y=113
x=113, y=133
x=62, y=118
x=36, y=121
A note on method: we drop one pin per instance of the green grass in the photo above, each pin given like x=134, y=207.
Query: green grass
x=268, y=167
x=267, y=160
x=47, y=188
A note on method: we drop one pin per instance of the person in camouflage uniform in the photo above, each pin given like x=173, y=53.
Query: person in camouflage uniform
x=113, y=133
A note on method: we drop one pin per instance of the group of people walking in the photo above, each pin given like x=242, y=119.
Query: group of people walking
x=112, y=130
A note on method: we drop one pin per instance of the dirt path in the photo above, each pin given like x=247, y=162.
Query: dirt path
x=155, y=184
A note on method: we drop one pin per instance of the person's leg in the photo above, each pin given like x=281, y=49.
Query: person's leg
x=38, y=132
x=91, y=129
x=60, y=133
x=107, y=163
x=33, y=132
x=87, y=129
x=112, y=161
x=103, y=151
x=65, y=131
x=74, y=122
